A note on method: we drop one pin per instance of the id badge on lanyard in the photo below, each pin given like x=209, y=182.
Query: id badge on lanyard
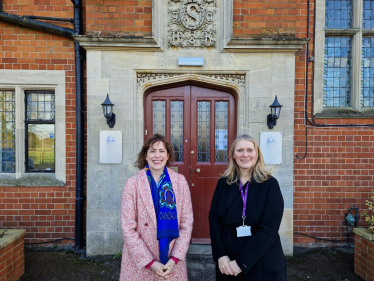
x=243, y=230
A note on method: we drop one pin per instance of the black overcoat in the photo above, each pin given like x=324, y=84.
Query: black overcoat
x=260, y=256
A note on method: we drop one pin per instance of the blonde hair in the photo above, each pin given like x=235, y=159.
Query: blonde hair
x=258, y=170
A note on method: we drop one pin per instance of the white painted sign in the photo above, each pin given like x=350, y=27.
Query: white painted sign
x=271, y=147
x=110, y=147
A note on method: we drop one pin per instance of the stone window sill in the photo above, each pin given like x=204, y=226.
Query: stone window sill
x=32, y=179
x=345, y=113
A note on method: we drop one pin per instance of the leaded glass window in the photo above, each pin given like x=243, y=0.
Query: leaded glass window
x=221, y=131
x=7, y=131
x=338, y=14
x=368, y=14
x=176, y=137
x=203, y=131
x=337, y=72
x=40, y=131
x=367, y=72
x=159, y=117
x=347, y=55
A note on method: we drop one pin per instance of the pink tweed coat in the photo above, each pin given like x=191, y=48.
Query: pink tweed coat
x=139, y=228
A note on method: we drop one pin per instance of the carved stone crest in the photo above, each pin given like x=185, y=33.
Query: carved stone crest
x=191, y=23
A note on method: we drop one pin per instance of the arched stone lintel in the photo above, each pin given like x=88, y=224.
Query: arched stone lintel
x=234, y=87
x=144, y=87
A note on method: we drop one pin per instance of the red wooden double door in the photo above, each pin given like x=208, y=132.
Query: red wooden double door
x=200, y=123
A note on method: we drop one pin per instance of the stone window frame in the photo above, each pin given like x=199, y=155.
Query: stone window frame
x=20, y=81
x=356, y=33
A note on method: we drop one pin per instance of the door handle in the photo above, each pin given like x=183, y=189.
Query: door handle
x=198, y=170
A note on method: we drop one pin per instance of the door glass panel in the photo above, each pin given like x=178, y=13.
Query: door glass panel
x=159, y=117
x=220, y=131
x=203, y=131
x=176, y=136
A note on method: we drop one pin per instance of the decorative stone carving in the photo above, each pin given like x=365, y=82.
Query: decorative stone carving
x=191, y=23
x=238, y=79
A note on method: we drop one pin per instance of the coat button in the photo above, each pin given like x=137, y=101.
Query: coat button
x=146, y=224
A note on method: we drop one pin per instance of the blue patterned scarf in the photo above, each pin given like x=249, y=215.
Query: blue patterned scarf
x=166, y=211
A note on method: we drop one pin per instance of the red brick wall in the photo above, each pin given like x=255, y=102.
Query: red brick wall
x=270, y=18
x=338, y=171
x=364, y=258
x=46, y=213
x=119, y=18
x=12, y=260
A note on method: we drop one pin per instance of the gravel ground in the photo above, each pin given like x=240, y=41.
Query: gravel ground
x=55, y=264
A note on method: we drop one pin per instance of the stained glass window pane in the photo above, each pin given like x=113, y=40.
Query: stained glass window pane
x=176, y=137
x=220, y=131
x=338, y=14
x=368, y=14
x=367, y=72
x=337, y=72
x=7, y=132
x=40, y=106
x=203, y=131
x=41, y=147
x=159, y=117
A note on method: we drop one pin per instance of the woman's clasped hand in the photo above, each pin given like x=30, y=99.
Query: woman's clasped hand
x=163, y=272
x=228, y=267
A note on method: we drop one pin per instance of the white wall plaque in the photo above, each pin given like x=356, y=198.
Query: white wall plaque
x=271, y=147
x=110, y=147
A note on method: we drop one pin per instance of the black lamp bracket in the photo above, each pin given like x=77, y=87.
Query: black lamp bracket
x=271, y=122
x=111, y=121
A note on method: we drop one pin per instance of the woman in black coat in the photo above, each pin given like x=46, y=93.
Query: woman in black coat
x=253, y=251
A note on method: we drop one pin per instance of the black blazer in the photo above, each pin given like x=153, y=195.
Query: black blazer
x=259, y=256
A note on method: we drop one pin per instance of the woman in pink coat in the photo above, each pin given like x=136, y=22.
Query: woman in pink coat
x=156, y=217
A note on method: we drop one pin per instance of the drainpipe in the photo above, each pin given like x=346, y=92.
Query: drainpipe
x=34, y=24
x=79, y=127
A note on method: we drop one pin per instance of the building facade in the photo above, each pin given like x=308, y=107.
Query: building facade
x=199, y=72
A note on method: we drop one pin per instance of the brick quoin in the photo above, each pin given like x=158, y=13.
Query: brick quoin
x=12, y=260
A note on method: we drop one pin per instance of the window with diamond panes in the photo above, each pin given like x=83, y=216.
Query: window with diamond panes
x=176, y=130
x=7, y=131
x=203, y=131
x=159, y=117
x=337, y=72
x=40, y=131
x=221, y=131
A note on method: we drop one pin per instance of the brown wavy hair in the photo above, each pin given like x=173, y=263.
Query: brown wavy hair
x=141, y=162
x=258, y=170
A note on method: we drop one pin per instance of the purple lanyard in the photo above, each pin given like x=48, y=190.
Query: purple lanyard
x=244, y=197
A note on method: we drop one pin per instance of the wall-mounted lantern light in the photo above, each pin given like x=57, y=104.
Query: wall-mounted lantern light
x=108, y=112
x=275, y=112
